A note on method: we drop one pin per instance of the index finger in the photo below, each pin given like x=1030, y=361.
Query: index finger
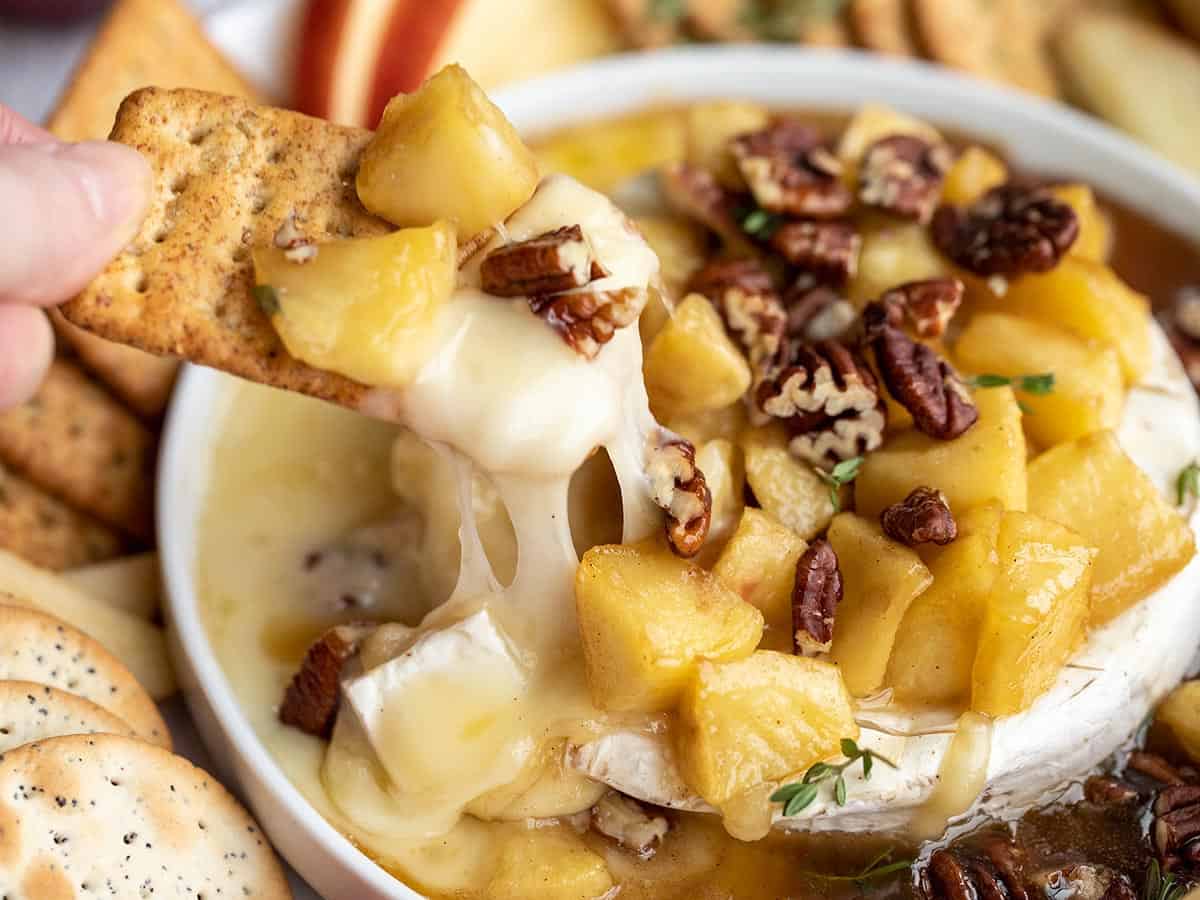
x=16, y=129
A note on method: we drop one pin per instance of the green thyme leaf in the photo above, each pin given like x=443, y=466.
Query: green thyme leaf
x=268, y=299
x=801, y=800
x=817, y=772
x=868, y=765
x=1039, y=385
x=879, y=867
x=1162, y=885
x=842, y=474
x=839, y=791
x=989, y=381
x=1025, y=408
x=850, y=748
x=1188, y=483
x=760, y=224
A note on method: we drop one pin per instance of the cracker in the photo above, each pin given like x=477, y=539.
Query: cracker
x=144, y=382
x=1003, y=40
x=47, y=532
x=131, y=583
x=40, y=648
x=1154, y=94
x=139, y=644
x=228, y=174
x=885, y=26
x=1187, y=14
x=102, y=815
x=34, y=712
x=74, y=440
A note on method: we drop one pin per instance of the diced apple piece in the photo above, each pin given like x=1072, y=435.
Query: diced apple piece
x=1179, y=714
x=1095, y=231
x=974, y=173
x=446, y=152
x=647, y=618
x=759, y=562
x=604, y=154
x=726, y=423
x=784, y=486
x=986, y=463
x=1087, y=298
x=1093, y=487
x=710, y=128
x=893, y=254
x=759, y=719
x=721, y=462
x=935, y=647
x=549, y=864
x=872, y=122
x=693, y=364
x=682, y=248
x=1037, y=613
x=1089, y=391
x=880, y=578
x=362, y=307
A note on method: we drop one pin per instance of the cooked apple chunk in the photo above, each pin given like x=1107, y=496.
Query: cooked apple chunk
x=1179, y=714
x=986, y=463
x=362, y=307
x=893, y=254
x=759, y=562
x=446, y=152
x=785, y=487
x=1036, y=615
x=1093, y=487
x=1095, y=231
x=881, y=578
x=692, y=364
x=710, y=128
x=759, y=719
x=648, y=618
x=1090, y=299
x=935, y=646
x=1088, y=392
x=974, y=173
x=549, y=864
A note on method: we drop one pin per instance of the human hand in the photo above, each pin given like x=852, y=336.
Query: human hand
x=65, y=211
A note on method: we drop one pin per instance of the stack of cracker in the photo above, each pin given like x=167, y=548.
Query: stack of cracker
x=77, y=462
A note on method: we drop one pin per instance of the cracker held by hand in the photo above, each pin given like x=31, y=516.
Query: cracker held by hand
x=35, y=712
x=228, y=175
x=101, y=815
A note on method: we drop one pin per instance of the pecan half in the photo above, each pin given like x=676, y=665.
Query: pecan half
x=626, y=821
x=902, y=174
x=828, y=398
x=311, y=700
x=696, y=193
x=1176, y=819
x=678, y=486
x=922, y=517
x=928, y=305
x=588, y=319
x=826, y=250
x=920, y=380
x=816, y=594
x=994, y=870
x=744, y=294
x=788, y=172
x=550, y=263
x=1010, y=230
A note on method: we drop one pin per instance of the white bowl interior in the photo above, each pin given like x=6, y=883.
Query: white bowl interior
x=1039, y=135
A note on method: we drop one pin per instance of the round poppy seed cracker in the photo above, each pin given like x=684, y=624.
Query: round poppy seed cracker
x=90, y=816
x=39, y=648
x=34, y=712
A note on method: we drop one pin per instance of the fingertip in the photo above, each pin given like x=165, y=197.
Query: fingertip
x=26, y=350
x=116, y=181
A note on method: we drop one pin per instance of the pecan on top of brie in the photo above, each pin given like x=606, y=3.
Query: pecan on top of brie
x=678, y=486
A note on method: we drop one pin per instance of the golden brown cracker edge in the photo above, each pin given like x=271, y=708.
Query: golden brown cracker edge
x=227, y=175
x=44, y=530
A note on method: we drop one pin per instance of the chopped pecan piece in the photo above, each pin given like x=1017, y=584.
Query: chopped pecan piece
x=1010, y=230
x=312, y=698
x=678, y=487
x=550, y=263
x=902, y=174
x=1104, y=790
x=829, y=399
x=922, y=517
x=815, y=597
x=789, y=172
x=828, y=251
x=744, y=294
x=929, y=305
x=1176, y=819
x=588, y=319
x=626, y=821
x=1154, y=766
x=920, y=380
x=696, y=193
x=994, y=870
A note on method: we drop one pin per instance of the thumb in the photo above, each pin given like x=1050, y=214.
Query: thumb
x=65, y=211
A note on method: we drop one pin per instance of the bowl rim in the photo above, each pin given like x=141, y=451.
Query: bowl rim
x=781, y=76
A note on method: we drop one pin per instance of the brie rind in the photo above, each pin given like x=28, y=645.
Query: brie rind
x=1097, y=703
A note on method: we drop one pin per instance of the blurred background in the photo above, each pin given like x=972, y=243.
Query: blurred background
x=1133, y=62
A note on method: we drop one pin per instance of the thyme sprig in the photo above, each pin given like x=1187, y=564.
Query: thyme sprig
x=758, y=223
x=1039, y=385
x=842, y=474
x=799, y=795
x=880, y=867
x=1162, y=885
x=1188, y=483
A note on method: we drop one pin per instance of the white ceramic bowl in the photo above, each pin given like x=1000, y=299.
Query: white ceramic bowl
x=1038, y=135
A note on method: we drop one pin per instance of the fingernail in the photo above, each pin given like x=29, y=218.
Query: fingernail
x=116, y=180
